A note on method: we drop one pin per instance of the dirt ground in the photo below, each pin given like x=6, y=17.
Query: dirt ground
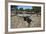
x=18, y=22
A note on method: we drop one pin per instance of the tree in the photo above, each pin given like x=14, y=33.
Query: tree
x=37, y=10
x=14, y=8
x=28, y=10
x=21, y=9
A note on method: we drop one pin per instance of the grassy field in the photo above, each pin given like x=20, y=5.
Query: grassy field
x=18, y=22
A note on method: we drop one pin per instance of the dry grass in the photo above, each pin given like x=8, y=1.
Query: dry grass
x=18, y=22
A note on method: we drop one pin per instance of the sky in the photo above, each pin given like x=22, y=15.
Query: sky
x=25, y=7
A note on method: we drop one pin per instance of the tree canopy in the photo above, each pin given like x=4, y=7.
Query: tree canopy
x=36, y=9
